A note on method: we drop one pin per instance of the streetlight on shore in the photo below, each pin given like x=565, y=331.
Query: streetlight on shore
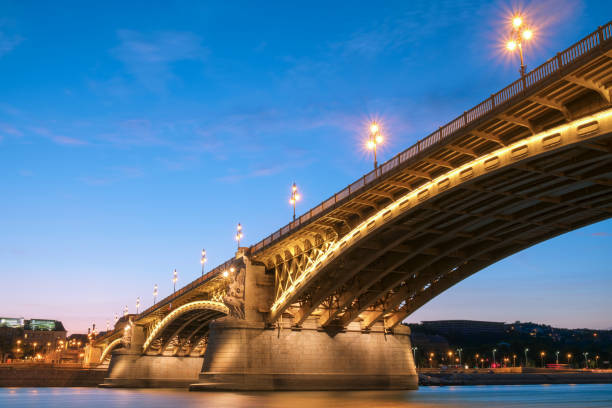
x=569, y=357
x=542, y=354
x=375, y=139
x=203, y=260
x=494, y=351
x=586, y=361
x=414, y=350
x=514, y=360
x=459, y=350
x=526, y=360
x=557, y=355
x=295, y=196
x=520, y=32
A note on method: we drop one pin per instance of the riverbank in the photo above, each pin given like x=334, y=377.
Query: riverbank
x=47, y=375
x=514, y=377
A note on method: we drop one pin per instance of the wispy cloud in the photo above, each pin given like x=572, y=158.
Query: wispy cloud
x=8, y=42
x=149, y=58
x=405, y=27
x=58, y=139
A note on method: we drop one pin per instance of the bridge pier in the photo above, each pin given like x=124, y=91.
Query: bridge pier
x=244, y=355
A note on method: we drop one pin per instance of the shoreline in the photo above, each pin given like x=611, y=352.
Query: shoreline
x=532, y=376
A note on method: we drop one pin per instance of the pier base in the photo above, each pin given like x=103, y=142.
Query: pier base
x=245, y=356
x=131, y=370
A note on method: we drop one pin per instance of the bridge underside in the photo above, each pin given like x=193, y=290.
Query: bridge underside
x=453, y=235
x=186, y=335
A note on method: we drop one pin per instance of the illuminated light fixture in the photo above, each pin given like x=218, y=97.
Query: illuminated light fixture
x=527, y=34
x=203, y=260
x=154, y=294
x=518, y=34
x=225, y=274
x=414, y=194
x=174, y=279
x=295, y=196
x=374, y=140
x=239, y=234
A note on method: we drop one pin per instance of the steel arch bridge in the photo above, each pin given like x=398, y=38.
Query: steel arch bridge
x=529, y=163
x=453, y=225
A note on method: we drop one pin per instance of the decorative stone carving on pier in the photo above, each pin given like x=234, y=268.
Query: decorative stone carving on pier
x=234, y=298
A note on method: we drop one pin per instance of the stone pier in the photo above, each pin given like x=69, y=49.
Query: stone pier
x=247, y=356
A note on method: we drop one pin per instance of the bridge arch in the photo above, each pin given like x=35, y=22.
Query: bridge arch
x=110, y=347
x=184, y=326
x=492, y=206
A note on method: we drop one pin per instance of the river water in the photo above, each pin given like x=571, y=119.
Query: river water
x=540, y=396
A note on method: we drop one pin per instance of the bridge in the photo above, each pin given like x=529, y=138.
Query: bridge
x=318, y=303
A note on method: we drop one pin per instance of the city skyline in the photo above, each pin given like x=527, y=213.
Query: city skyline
x=138, y=144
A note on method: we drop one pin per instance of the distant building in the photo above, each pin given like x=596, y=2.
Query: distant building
x=21, y=338
x=465, y=327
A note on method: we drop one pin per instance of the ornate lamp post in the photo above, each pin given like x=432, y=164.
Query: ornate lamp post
x=238, y=234
x=137, y=304
x=174, y=279
x=374, y=140
x=519, y=34
x=294, y=198
x=125, y=311
x=203, y=260
x=155, y=294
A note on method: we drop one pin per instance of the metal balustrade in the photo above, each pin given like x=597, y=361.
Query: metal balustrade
x=517, y=88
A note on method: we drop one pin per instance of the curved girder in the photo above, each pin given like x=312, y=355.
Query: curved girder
x=212, y=310
x=541, y=144
x=112, y=345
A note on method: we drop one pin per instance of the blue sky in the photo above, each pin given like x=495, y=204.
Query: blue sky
x=133, y=134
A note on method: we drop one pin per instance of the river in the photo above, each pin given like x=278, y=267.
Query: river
x=540, y=396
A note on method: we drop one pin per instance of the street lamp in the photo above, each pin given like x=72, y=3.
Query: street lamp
x=239, y=234
x=459, y=350
x=542, y=354
x=203, y=260
x=494, y=351
x=586, y=361
x=526, y=350
x=557, y=355
x=519, y=34
x=125, y=311
x=137, y=304
x=174, y=279
x=374, y=140
x=116, y=318
x=155, y=294
x=514, y=360
x=414, y=350
x=295, y=196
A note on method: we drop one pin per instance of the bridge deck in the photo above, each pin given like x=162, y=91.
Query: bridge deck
x=545, y=97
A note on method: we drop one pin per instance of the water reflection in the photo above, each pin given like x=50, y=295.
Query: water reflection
x=541, y=396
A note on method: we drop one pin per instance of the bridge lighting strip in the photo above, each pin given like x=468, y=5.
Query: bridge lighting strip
x=216, y=306
x=414, y=194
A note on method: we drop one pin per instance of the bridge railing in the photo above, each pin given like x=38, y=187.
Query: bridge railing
x=199, y=281
x=517, y=88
